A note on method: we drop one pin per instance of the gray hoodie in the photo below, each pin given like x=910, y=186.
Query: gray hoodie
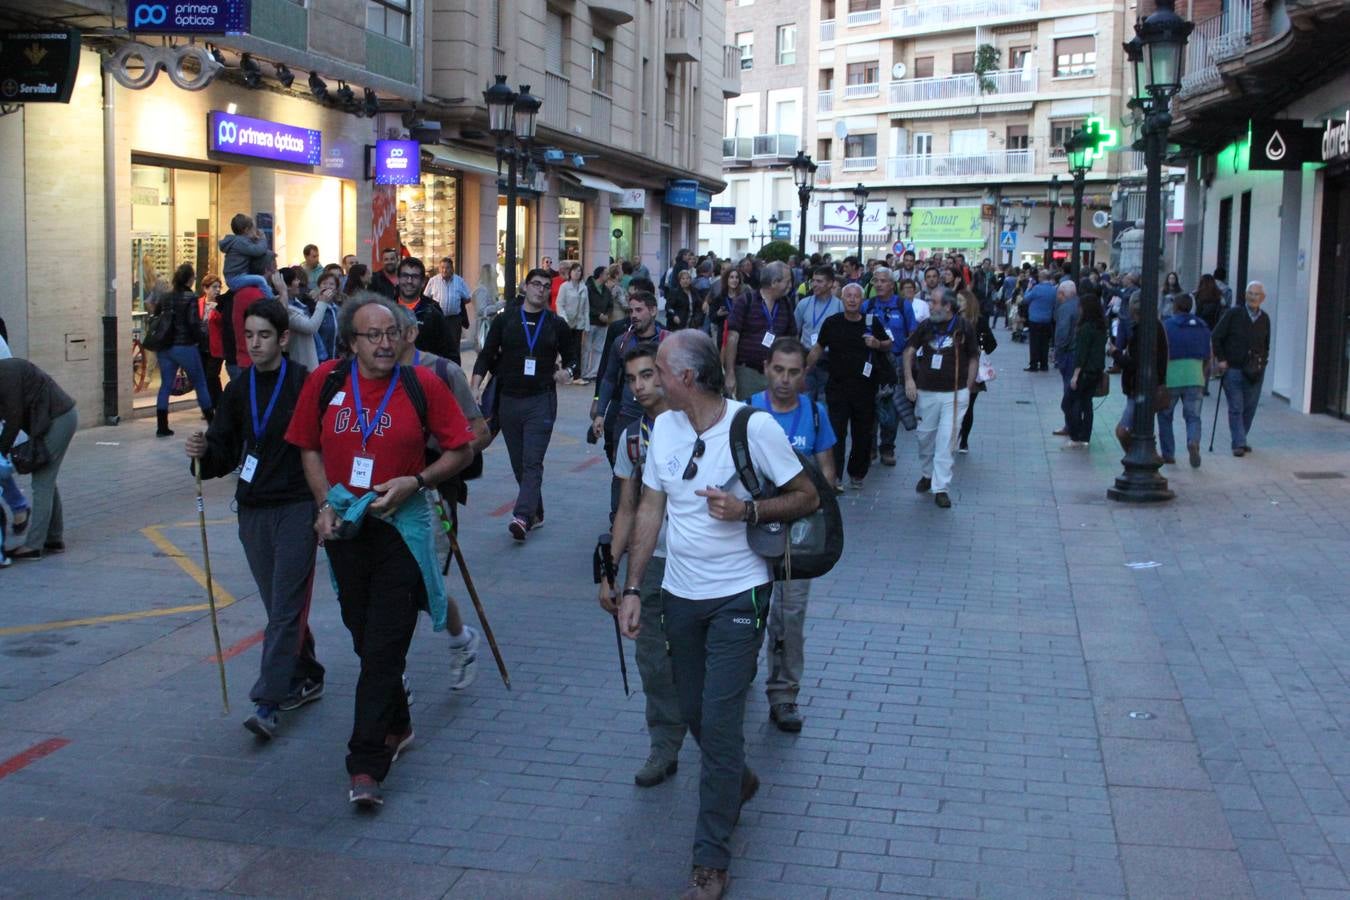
x=240, y=252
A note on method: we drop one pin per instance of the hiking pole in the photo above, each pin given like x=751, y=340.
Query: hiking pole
x=473, y=594
x=1218, y=402
x=603, y=567
x=210, y=587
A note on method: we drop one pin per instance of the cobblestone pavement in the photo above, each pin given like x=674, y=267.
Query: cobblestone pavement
x=1000, y=702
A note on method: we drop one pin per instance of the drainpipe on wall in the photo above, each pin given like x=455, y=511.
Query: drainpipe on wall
x=110, y=363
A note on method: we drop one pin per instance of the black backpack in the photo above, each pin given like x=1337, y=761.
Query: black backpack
x=814, y=542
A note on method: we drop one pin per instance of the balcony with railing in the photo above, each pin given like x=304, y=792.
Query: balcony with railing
x=864, y=17
x=1214, y=40
x=827, y=31
x=862, y=91
x=737, y=150
x=965, y=87
x=602, y=111
x=959, y=14
x=823, y=173
x=731, y=71
x=824, y=101
x=774, y=146
x=557, y=91
x=684, y=23
x=960, y=165
x=856, y=164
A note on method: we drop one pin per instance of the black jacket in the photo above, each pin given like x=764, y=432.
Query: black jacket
x=680, y=307
x=433, y=332
x=1237, y=337
x=598, y=302
x=506, y=348
x=279, y=478
x=187, y=323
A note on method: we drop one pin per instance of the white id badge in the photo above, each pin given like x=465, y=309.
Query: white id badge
x=935, y=361
x=529, y=365
x=808, y=341
x=363, y=467
x=768, y=339
x=869, y=322
x=250, y=466
x=867, y=369
x=889, y=336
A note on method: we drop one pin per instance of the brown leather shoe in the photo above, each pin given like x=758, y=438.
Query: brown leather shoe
x=706, y=883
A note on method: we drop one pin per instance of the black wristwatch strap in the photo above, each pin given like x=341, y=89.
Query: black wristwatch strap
x=421, y=482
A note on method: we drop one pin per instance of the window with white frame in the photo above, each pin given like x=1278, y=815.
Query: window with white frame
x=923, y=144
x=746, y=41
x=600, y=69
x=860, y=146
x=1075, y=57
x=1060, y=131
x=787, y=45
x=389, y=18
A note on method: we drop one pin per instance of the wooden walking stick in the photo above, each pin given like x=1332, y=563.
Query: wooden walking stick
x=210, y=588
x=473, y=592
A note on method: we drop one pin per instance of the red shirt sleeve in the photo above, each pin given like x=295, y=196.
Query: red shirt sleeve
x=306, y=425
x=445, y=420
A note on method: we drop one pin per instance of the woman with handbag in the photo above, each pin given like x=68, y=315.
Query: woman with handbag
x=180, y=348
x=1089, y=353
x=970, y=311
x=30, y=401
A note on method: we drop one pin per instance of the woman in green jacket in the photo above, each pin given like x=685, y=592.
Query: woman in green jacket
x=1089, y=352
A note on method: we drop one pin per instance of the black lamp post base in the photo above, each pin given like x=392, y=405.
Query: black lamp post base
x=1140, y=483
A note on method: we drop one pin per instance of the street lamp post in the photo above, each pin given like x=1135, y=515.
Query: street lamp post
x=1077, y=148
x=860, y=201
x=773, y=227
x=1053, y=193
x=754, y=230
x=804, y=174
x=891, y=216
x=1157, y=52
x=511, y=121
x=908, y=215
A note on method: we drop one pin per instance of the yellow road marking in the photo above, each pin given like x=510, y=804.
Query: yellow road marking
x=223, y=597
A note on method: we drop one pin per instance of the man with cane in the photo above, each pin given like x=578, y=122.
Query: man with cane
x=361, y=426
x=665, y=727
x=276, y=512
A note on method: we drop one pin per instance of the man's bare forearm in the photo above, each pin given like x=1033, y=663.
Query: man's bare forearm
x=622, y=528
x=312, y=462
x=645, y=530
x=797, y=498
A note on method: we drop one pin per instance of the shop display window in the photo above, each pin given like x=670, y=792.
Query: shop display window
x=571, y=226
x=525, y=250
x=428, y=218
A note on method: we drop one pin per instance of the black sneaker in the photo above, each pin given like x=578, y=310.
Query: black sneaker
x=923, y=485
x=16, y=527
x=786, y=717
x=942, y=500
x=307, y=692
x=263, y=722
x=365, y=792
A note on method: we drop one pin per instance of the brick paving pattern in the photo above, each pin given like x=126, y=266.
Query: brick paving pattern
x=971, y=676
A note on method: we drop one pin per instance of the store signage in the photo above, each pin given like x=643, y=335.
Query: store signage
x=633, y=198
x=782, y=231
x=244, y=136
x=398, y=162
x=843, y=216
x=722, y=215
x=188, y=16
x=38, y=66
x=1282, y=145
x=947, y=226
x=685, y=193
x=1336, y=139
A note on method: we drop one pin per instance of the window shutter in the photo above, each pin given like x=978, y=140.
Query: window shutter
x=553, y=43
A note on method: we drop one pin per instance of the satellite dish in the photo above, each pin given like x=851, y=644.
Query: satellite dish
x=1101, y=218
x=898, y=71
x=840, y=129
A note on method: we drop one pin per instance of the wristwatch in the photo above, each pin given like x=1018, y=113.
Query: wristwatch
x=421, y=482
x=632, y=590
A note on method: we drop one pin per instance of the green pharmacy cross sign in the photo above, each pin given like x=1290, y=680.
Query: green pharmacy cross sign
x=1091, y=143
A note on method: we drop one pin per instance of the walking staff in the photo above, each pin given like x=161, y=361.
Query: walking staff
x=211, y=591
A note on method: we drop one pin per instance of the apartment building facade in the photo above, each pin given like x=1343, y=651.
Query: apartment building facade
x=963, y=104
x=154, y=152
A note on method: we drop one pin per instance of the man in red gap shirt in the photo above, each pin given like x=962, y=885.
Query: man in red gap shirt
x=368, y=437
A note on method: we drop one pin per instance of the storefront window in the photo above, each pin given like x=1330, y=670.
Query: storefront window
x=622, y=236
x=428, y=218
x=571, y=225
x=308, y=211
x=173, y=216
x=524, y=248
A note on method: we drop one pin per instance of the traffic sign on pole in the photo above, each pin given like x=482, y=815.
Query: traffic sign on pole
x=1007, y=240
x=898, y=247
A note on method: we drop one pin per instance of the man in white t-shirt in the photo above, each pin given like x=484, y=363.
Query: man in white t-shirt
x=715, y=591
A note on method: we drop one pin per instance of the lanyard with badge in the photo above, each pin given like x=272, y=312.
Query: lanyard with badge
x=531, y=338
x=363, y=466
x=769, y=336
x=816, y=317
x=259, y=425
x=935, y=361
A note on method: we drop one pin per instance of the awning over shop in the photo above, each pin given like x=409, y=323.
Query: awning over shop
x=594, y=182
x=461, y=158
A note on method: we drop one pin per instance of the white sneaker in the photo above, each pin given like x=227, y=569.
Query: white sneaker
x=464, y=662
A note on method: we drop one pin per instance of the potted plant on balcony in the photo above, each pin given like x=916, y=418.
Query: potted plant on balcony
x=986, y=61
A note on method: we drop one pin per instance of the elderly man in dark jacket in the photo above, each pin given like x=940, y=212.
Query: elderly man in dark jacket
x=1241, y=351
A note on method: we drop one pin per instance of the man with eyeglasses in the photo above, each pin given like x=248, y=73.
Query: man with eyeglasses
x=528, y=351
x=362, y=433
x=715, y=589
x=433, y=329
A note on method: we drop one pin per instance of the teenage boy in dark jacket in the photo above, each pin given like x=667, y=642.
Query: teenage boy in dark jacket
x=276, y=510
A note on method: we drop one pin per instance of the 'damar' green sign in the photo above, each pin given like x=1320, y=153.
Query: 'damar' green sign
x=947, y=226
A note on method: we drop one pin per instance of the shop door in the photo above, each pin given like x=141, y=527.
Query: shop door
x=524, y=246
x=173, y=216
x=622, y=233
x=1331, y=366
x=571, y=226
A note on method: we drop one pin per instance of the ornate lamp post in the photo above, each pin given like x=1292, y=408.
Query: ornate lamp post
x=773, y=226
x=511, y=121
x=1053, y=194
x=754, y=229
x=891, y=216
x=804, y=174
x=1078, y=151
x=1157, y=52
x=908, y=215
x=860, y=201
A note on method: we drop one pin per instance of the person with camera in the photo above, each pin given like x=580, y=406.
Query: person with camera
x=276, y=512
x=715, y=589
x=361, y=426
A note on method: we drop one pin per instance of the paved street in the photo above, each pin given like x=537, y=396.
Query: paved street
x=1000, y=701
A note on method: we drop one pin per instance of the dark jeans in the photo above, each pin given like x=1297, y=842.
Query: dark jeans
x=1065, y=363
x=665, y=722
x=380, y=591
x=1080, y=407
x=851, y=408
x=714, y=648
x=527, y=427
x=279, y=544
x=1190, y=399
x=188, y=358
x=968, y=420
x=1040, y=344
x=1243, y=395
x=212, y=366
x=454, y=333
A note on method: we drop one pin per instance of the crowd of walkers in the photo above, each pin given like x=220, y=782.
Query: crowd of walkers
x=347, y=422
